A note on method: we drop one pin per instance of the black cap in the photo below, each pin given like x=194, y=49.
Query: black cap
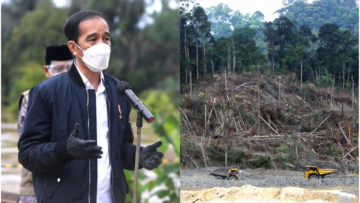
x=57, y=53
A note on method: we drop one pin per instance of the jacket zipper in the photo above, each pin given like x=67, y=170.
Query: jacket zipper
x=87, y=106
x=112, y=180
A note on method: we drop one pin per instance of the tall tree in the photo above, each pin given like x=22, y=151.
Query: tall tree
x=199, y=20
x=205, y=29
x=347, y=41
x=222, y=48
x=328, y=44
x=271, y=37
x=220, y=16
x=285, y=29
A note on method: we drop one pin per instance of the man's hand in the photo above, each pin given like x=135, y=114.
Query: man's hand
x=150, y=158
x=82, y=149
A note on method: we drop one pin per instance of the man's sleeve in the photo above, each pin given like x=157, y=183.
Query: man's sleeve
x=128, y=149
x=22, y=114
x=36, y=151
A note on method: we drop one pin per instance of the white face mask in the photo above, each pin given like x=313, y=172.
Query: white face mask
x=96, y=57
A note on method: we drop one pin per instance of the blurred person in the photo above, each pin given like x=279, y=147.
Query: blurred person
x=77, y=137
x=58, y=60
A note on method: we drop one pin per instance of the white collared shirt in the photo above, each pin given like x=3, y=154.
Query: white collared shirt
x=102, y=131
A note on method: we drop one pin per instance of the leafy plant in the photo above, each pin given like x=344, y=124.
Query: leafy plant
x=284, y=149
x=262, y=162
x=169, y=133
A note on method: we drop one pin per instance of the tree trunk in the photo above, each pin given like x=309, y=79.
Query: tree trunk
x=301, y=65
x=273, y=64
x=185, y=41
x=234, y=57
x=279, y=92
x=229, y=70
x=225, y=155
x=353, y=94
x=188, y=56
x=348, y=72
x=197, y=56
x=259, y=100
x=212, y=65
x=186, y=80
x=197, y=59
x=225, y=80
x=190, y=83
x=344, y=64
x=204, y=57
x=333, y=89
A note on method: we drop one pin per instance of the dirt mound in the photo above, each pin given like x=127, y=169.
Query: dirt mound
x=248, y=193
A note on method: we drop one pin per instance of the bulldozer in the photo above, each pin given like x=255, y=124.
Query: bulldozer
x=314, y=172
x=232, y=174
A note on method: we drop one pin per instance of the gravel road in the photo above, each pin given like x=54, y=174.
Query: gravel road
x=200, y=178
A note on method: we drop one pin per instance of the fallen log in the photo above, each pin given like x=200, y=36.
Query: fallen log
x=269, y=125
x=320, y=124
x=344, y=134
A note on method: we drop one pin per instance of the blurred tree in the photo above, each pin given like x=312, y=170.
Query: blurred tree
x=27, y=43
x=79, y=5
x=11, y=13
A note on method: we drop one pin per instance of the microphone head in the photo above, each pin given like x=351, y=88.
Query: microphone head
x=122, y=86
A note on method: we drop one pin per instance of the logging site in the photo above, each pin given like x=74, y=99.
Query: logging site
x=271, y=129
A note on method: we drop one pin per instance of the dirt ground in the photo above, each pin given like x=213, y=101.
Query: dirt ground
x=273, y=185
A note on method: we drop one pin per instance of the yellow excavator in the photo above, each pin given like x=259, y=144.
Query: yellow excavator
x=232, y=174
x=314, y=172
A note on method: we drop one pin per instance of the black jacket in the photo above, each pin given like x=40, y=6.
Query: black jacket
x=55, y=106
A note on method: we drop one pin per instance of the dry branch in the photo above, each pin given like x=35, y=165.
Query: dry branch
x=269, y=126
x=191, y=160
x=320, y=124
x=344, y=134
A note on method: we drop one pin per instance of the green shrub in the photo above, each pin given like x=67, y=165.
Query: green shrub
x=261, y=162
x=284, y=149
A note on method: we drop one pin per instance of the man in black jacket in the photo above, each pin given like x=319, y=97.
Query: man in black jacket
x=77, y=136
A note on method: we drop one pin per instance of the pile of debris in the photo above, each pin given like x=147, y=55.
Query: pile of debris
x=275, y=118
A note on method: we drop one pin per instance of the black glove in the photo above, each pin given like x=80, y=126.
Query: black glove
x=150, y=158
x=82, y=149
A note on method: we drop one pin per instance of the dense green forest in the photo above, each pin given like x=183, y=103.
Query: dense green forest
x=317, y=41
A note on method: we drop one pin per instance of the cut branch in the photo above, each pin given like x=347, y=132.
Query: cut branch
x=269, y=125
x=320, y=124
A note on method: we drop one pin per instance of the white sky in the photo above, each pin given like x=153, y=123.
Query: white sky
x=267, y=7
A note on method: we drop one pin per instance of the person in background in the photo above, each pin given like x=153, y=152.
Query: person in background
x=58, y=59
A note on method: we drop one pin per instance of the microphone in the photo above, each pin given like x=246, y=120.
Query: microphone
x=124, y=89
